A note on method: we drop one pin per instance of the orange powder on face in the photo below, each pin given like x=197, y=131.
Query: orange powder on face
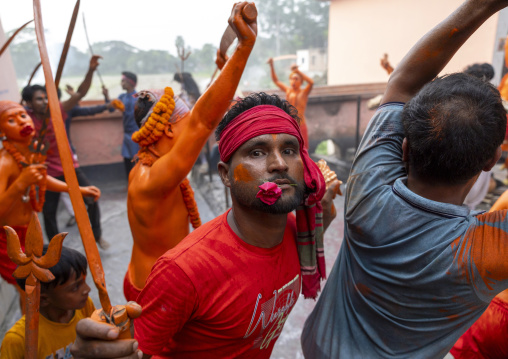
x=242, y=174
x=274, y=136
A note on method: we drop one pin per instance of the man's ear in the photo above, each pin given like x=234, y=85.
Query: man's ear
x=489, y=165
x=168, y=130
x=223, y=169
x=405, y=150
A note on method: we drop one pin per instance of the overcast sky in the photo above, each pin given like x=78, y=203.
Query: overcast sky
x=149, y=24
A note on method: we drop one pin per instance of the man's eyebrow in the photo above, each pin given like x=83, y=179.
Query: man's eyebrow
x=78, y=280
x=291, y=141
x=256, y=143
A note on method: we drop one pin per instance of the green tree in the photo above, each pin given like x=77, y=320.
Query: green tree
x=294, y=24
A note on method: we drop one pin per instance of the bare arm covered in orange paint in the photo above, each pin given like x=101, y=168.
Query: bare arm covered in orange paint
x=310, y=82
x=501, y=203
x=275, y=79
x=503, y=85
x=13, y=185
x=385, y=64
x=431, y=54
x=207, y=112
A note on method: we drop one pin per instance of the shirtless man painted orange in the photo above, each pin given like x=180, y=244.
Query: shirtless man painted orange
x=20, y=170
x=295, y=95
x=160, y=200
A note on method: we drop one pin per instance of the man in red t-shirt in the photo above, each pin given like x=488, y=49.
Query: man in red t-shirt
x=226, y=290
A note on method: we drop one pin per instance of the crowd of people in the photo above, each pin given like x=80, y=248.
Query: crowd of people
x=420, y=273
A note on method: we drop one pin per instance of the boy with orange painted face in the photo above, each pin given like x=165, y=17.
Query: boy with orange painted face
x=64, y=302
x=20, y=171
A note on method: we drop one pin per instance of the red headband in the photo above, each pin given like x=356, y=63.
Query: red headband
x=268, y=119
x=129, y=80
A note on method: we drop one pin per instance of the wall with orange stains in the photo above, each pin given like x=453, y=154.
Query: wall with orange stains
x=361, y=31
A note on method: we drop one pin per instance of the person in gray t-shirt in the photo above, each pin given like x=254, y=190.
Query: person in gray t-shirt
x=417, y=268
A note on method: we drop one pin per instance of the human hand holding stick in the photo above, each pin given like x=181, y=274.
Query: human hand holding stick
x=249, y=14
x=96, y=336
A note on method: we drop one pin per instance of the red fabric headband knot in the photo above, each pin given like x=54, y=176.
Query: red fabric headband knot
x=129, y=80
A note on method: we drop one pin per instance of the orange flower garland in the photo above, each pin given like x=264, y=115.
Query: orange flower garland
x=36, y=199
x=190, y=203
x=154, y=126
x=116, y=103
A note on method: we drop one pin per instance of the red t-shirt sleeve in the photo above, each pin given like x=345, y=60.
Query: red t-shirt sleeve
x=168, y=301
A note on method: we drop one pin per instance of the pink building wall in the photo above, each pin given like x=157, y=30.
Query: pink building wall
x=98, y=139
x=361, y=31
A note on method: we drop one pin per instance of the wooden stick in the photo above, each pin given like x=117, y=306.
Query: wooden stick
x=33, y=73
x=12, y=37
x=91, y=50
x=85, y=229
x=67, y=44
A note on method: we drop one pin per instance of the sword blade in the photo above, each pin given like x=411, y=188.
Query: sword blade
x=67, y=44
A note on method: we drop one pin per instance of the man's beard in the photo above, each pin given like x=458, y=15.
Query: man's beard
x=283, y=205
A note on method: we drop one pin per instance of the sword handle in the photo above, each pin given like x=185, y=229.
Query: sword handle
x=249, y=12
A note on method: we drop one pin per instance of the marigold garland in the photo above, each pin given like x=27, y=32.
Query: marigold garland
x=154, y=126
x=116, y=103
x=190, y=203
x=36, y=199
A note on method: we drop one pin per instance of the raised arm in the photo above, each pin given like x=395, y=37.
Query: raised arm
x=208, y=110
x=385, y=64
x=84, y=87
x=310, y=82
x=275, y=79
x=431, y=54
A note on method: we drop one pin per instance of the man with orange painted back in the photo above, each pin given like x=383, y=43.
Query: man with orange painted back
x=160, y=201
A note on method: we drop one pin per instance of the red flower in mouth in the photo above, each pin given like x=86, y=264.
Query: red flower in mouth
x=269, y=193
x=26, y=131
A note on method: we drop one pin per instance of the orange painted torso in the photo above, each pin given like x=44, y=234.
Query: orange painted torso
x=20, y=213
x=158, y=223
x=299, y=100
